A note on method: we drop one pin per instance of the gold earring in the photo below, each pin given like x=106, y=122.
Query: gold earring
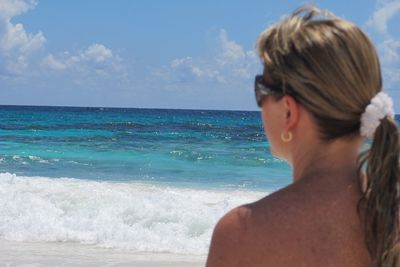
x=287, y=138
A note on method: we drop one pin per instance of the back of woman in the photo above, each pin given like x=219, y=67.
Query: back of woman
x=321, y=98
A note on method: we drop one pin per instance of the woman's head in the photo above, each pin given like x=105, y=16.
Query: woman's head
x=327, y=64
x=331, y=69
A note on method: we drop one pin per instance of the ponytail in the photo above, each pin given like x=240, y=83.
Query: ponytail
x=381, y=201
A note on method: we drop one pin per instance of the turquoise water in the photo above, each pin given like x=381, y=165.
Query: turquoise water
x=193, y=148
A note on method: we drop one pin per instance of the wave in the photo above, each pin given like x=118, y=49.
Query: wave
x=133, y=216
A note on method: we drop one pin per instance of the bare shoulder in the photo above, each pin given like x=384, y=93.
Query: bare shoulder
x=316, y=224
x=261, y=233
x=228, y=234
x=246, y=232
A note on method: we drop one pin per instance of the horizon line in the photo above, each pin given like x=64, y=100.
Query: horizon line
x=99, y=107
x=157, y=108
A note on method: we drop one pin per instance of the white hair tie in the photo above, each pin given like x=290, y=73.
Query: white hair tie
x=381, y=106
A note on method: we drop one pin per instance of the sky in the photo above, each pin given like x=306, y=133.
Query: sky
x=159, y=54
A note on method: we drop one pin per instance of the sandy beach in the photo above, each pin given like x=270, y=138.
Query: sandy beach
x=71, y=254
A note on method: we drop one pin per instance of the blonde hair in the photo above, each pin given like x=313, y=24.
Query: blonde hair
x=332, y=69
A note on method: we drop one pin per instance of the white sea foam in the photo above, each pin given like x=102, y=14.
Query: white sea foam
x=139, y=217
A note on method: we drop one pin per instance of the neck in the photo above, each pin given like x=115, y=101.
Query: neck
x=326, y=159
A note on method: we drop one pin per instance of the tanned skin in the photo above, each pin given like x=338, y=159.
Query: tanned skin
x=312, y=222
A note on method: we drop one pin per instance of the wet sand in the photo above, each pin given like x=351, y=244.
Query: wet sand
x=71, y=254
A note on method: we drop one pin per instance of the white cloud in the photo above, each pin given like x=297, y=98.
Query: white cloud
x=390, y=48
x=176, y=63
x=385, y=11
x=95, y=54
x=16, y=38
x=95, y=59
x=230, y=64
x=231, y=52
x=98, y=52
x=16, y=45
x=52, y=63
x=187, y=66
x=11, y=8
x=20, y=57
x=188, y=69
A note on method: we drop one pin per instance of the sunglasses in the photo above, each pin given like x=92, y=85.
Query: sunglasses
x=262, y=90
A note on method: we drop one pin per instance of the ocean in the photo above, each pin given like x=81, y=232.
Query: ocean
x=141, y=180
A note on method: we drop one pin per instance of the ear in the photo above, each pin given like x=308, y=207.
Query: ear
x=292, y=109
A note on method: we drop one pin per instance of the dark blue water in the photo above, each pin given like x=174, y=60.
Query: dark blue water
x=193, y=148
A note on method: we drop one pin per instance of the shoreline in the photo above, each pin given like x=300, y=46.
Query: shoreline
x=74, y=254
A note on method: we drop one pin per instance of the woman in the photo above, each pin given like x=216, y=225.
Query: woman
x=320, y=98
